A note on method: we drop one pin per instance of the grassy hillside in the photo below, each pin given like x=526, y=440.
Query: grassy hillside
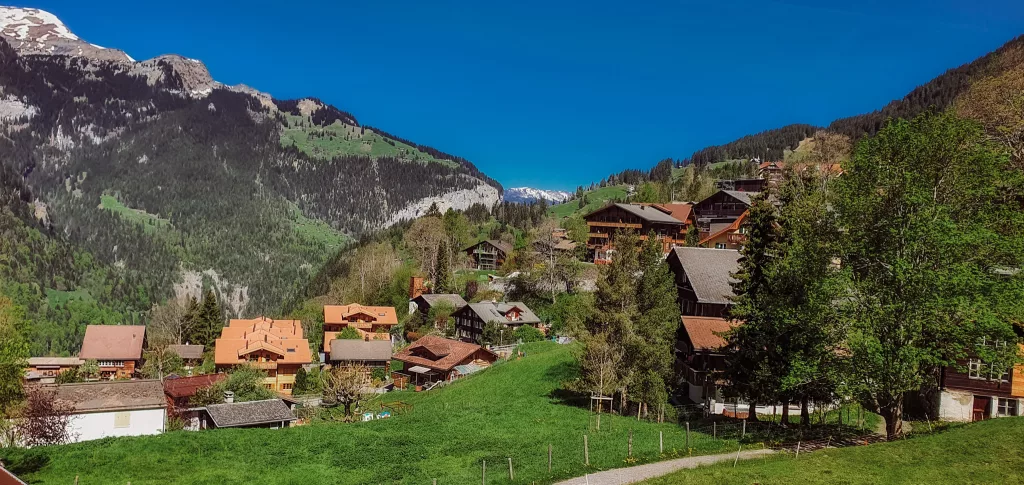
x=338, y=139
x=987, y=452
x=595, y=200
x=511, y=410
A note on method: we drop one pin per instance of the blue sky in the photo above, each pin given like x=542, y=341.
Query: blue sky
x=556, y=94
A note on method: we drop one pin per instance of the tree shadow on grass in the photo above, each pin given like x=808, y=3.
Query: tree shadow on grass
x=563, y=373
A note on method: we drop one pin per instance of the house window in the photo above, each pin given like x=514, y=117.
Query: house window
x=974, y=369
x=719, y=245
x=977, y=369
x=122, y=419
x=269, y=386
x=287, y=386
x=1006, y=407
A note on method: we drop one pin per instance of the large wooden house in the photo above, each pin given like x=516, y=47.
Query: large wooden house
x=275, y=346
x=700, y=356
x=488, y=254
x=732, y=236
x=720, y=211
x=369, y=322
x=704, y=279
x=471, y=319
x=116, y=348
x=667, y=221
x=431, y=359
x=974, y=390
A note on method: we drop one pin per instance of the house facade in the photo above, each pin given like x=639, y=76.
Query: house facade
x=275, y=346
x=667, y=221
x=44, y=370
x=115, y=408
x=704, y=279
x=191, y=355
x=720, y=210
x=370, y=322
x=431, y=359
x=372, y=354
x=488, y=254
x=471, y=319
x=699, y=356
x=732, y=236
x=116, y=348
x=975, y=391
x=267, y=413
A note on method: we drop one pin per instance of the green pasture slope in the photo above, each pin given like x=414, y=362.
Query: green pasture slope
x=512, y=410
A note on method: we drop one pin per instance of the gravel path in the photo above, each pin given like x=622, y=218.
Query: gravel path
x=634, y=474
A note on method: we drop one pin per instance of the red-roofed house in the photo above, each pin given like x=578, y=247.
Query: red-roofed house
x=116, y=348
x=432, y=359
x=732, y=236
x=699, y=355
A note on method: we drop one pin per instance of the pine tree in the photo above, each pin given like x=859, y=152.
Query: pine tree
x=444, y=280
x=692, y=236
x=191, y=322
x=210, y=319
x=300, y=386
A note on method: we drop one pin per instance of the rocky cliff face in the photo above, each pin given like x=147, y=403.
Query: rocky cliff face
x=33, y=31
x=458, y=200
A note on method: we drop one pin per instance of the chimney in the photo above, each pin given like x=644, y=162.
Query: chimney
x=229, y=397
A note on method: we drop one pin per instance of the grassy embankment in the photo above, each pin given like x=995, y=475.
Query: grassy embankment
x=987, y=452
x=595, y=200
x=512, y=410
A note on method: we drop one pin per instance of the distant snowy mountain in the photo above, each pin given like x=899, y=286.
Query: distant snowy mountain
x=530, y=194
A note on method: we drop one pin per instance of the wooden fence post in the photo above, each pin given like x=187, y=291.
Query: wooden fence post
x=630, y=442
x=714, y=430
x=549, y=457
x=687, y=435
x=744, y=429
x=511, y=476
x=483, y=473
x=737, y=460
x=586, y=451
x=435, y=481
x=661, y=441
x=797, y=450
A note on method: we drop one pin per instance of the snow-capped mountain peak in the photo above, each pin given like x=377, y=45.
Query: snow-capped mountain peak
x=530, y=194
x=35, y=31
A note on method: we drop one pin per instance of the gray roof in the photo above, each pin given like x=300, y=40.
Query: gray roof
x=490, y=311
x=503, y=246
x=249, y=413
x=649, y=213
x=346, y=349
x=435, y=298
x=709, y=272
x=113, y=395
x=54, y=361
x=187, y=351
x=742, y=196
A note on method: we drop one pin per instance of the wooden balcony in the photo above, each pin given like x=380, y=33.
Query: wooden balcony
x=623, y=225
x=599, y=235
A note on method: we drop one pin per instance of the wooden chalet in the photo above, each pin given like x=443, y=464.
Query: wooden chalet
x=720, y=210
x=974, y=390
x=44, y=370
x=431, y=359
x=732, y=236
x=471, y=319
x=700, y=356
x=488, y=254
x=276, y=347
x=704, y=279
x=667, y=221
x=372, y=354
x=742, y=185
x=370, y=322
x=116, y=348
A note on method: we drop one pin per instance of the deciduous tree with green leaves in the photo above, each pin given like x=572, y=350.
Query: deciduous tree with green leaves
x=931, y=216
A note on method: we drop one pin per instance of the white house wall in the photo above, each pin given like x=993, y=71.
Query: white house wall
x=93, y=426
x=956, y=406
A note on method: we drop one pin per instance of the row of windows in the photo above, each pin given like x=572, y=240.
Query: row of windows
x=977, y=369
x=1006, y=407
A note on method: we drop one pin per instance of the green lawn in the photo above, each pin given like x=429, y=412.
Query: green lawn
x=150, y=222
x=511, y=410
x=315, y=230
x=595, y=200
x=987, y=452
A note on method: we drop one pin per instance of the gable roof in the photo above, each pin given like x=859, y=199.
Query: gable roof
x=113, y=342
x=678, y=210
x=187, y=351
x=741, y=195
x=54, y=361
x=282, y=337
x=649, y=213
x=187, y=386
x=113, y=395
x=449, y=352
x=382, y=315
x=432, y=299
x=360, y=349
x=735, y=225
x=709, y=272
x=706, y=333
x=491, y=311
x=501, y=245
x=249, y=413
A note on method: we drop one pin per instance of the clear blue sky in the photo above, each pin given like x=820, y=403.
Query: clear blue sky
x=554, y=94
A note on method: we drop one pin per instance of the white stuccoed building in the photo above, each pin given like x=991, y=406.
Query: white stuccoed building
x=115, y=408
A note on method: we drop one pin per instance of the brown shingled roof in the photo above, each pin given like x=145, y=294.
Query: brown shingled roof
x=447, y=353
x=706, y=333
x=187, y=386
x=113, y=395
x=113, y=342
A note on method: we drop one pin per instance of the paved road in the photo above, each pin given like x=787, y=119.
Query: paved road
x=634, y=474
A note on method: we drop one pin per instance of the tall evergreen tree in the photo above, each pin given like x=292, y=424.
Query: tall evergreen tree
x=444, y=279
x=210, y=319
x=692, y=236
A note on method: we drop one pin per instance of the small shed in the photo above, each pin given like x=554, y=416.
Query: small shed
x=267, y=413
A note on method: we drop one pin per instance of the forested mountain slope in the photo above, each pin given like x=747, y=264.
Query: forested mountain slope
x=130, y=182
x=940, y=93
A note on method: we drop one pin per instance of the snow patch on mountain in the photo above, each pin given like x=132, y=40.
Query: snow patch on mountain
x=34, y=31
x=530, y=194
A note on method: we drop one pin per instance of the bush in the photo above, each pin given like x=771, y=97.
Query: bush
x=526, y=333
x=349, y=333
x=379, y=374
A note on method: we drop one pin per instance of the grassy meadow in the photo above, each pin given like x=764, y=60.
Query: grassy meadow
x=986, y=452
x=595, y=200
x=513, y=410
